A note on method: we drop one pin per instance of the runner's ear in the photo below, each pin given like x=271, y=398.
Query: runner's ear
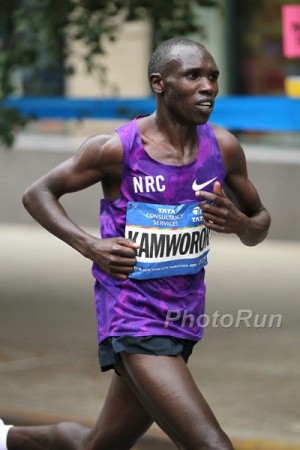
x=157, y=83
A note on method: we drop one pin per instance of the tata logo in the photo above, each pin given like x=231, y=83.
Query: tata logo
x=197, y=211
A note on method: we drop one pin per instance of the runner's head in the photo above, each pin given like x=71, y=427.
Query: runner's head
x=162, y=54
x=184, y=77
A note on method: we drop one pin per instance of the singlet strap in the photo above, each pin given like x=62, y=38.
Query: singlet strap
x=129, y=135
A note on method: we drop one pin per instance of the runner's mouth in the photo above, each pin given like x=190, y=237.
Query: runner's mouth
x=205, y=105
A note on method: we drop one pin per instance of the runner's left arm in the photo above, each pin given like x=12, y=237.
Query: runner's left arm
x=236, y=209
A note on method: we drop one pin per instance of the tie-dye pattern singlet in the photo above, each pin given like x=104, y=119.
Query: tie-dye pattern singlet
x=168, y=305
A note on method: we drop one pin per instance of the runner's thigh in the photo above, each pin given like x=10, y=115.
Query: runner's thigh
x=167, y=389
x=122, y=421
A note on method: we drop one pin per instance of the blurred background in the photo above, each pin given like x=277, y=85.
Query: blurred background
x=59, y=63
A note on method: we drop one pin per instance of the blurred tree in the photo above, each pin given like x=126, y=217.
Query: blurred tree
x=31, y=29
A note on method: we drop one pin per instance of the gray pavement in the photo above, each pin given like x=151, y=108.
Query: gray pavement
x=249, y=374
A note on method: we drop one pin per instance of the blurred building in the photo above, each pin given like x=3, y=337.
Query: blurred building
x=245, y=38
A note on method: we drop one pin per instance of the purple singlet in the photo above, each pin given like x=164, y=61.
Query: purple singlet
x=169, y=305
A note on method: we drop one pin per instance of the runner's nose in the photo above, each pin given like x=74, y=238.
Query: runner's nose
x=206, y=85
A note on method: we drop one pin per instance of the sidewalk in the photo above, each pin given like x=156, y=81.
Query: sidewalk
x=249, y=374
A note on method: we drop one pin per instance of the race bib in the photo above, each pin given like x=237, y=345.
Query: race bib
x=172, y=239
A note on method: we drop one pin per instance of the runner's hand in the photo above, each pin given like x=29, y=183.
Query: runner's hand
x=116, y=256
x=219, y=213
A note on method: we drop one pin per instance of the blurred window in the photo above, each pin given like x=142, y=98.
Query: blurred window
x=260, y=65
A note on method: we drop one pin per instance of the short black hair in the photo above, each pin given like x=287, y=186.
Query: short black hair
x=160, y=56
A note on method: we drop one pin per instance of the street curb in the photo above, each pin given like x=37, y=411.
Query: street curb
x=263, y=444
x=153, y=439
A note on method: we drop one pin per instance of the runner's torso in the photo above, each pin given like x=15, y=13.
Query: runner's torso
x=140, y=307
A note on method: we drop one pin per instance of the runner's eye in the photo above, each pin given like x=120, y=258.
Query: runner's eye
x=214, y=76
x=193, y=75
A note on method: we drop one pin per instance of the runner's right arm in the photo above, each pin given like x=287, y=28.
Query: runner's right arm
x=98, y=156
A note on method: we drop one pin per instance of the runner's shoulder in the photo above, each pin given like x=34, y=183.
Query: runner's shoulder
x=103, y=150
x=103, y=143
x=228, y=143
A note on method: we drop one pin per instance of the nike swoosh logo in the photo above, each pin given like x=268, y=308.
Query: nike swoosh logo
x=198, y=187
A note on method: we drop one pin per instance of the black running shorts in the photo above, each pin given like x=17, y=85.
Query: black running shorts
x=111, y=347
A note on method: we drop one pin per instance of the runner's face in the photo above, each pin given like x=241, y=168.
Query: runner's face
x=190, y=85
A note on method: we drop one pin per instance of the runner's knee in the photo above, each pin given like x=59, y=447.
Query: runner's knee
x=105, y=440
x=105, y=446
x=221, y=442
x=201, y=446
x=70, y=435
x=219, y=446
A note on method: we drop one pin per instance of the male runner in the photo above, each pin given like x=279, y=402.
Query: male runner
x=156, y=171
